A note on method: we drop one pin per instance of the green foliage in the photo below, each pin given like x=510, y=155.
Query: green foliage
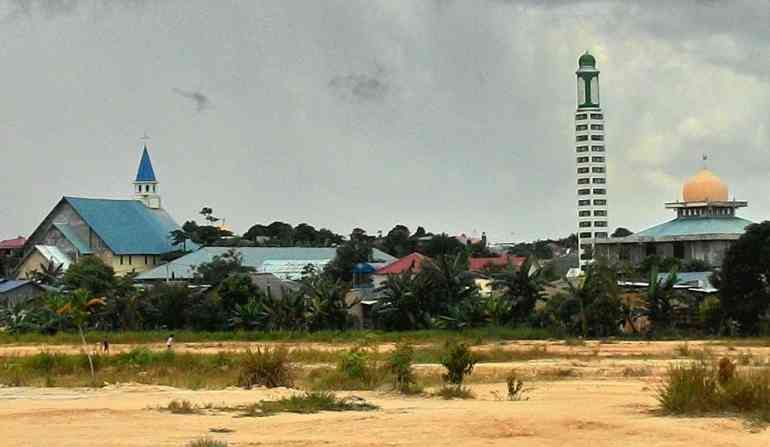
x=399, y=364
x=236, y=290
x=206, y=442
x=515, y=387
x=405, y=303
x=91, y=274
x=348, y=255
x=266, y=366
x=454, y=392
x=220, y=268
x=710, y=315
x=327, y=307
x=308, y=403
x=522, y=288
x=459, y=362
x=659, y=296
x=593, y=307
x=621, y=232
x=181, y=407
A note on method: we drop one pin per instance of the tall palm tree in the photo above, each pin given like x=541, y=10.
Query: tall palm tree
x=522, y=287
x=78, y=309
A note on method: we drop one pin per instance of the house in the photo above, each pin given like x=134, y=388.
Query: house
x=130, y=235
x=12, y=247
x=40, y=258
x=14, y=291
x=413, y=262
x=286, y=263
x=498, y=262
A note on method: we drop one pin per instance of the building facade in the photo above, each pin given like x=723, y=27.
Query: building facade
x=704, y=228
x=591, y=157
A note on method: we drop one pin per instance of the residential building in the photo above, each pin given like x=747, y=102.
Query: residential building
x=14, y=291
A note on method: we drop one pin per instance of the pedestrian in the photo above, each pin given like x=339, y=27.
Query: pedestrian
x=105, y=346
x=170, y=341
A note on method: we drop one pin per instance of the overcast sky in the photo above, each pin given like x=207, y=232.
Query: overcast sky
x=455, y=115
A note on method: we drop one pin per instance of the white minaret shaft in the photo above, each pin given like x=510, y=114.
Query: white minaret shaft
x=591, y=156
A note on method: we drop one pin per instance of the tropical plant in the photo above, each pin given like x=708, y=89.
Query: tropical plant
x=266, y=366
x=78, y=309
x=48, y=273
x=326, y=306
x=404, y=303
x=521, y=287
x=658, y=297
x=286, y=313
x=399, y=364
x=593, y=306
x=459, y=362
x=249, y=316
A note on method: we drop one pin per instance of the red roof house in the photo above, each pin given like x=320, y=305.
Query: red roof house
x=12, y=244
x=479, y=264
x=413, y=261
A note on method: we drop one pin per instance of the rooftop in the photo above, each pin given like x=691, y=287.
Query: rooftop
x=717, y=226
x=145, y=172
x=13, y=244
x=412, y=261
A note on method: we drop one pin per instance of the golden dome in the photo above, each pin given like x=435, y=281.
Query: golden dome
x=704, y=187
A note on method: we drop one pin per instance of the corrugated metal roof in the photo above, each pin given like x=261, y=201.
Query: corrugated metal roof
x=127, y=226
x=51, y=253
x=411, y=261
x=255, y=257
x=13, y=244
x=70, y=235
x=145, y=173
x=696, y=225
x=7, y=285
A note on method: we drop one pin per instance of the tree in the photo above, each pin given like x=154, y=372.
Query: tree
x=255, y=232
x=305, y=234
x=443, y=245
x=593, y=306
x=78, y=309
x=521, y=287
x=220, y=267
x=49, y=273
x=348, y=255
x=743, y=279
x=205, y=235
x=327, y=307
x=397, y=242
x=236, y=290
x=621, y=232
x=404, y=304
x=91, y=274
x=658, y=296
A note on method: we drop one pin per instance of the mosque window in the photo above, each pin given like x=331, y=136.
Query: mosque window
x=580, y=127
x=584, y=192
x=584, y=213
x=597, y=170
x=581, y=116
x=582, y=137
x=600, y=191
x=597, y=126
x=597, y=137
x=600, y=235
x=600, y=202
x=597, y=148
x=600, y=213
x=583, y=181
x=585, y=224
x=597, y=159
x=582, y=159
x=582, y=148
x=596, y=116
x=600, y=223
x=585, y=235
x=582, y=171
x=599, y=180
x=584, y=202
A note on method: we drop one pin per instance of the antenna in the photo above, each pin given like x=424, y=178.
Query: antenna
x=145, y=138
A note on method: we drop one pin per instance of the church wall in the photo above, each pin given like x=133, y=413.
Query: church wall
x=30, y=264
x=133, y=263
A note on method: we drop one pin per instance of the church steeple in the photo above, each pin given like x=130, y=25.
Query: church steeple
x=145, y=184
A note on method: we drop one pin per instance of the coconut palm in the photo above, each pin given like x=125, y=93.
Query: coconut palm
x=78, y=309
x=522, y=287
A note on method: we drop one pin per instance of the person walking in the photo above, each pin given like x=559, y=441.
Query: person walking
x=170, y=341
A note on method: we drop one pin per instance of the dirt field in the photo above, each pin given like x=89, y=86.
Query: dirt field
x=607, y=400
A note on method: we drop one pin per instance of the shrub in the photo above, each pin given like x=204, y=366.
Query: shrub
x=454, y=392
x=726, y=371
x=267, y=367
x=399, y=364
x=181, y=407
x=312, y=402
x=206, y=442
x=459, y=362
x=353, y=364
x=515, y=386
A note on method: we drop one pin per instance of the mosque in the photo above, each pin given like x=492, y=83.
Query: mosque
x=704, y=227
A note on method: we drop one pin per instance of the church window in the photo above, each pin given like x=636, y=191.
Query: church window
x=597, y=148
x=596, y=116
x=584, y=192
x=581, y=116
x=580, y=127
x=597, y=137
x=582, y=148
x=597, y=126
x=583, y=181
x=582, y=171
x=582, y=137
x=599, y=180
x=600, y=191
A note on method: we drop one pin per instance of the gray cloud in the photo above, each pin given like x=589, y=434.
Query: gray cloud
x=359, y=87
x=202, y=102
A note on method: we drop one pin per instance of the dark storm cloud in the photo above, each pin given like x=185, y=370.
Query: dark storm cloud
x=202, y=102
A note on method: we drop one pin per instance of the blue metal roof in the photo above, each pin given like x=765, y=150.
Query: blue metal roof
x=7, y=285
x=145, y=172
x=697, y=225
x=127, y=226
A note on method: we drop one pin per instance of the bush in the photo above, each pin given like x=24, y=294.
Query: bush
x=458, y=361
x=399, y=364
x=181, y=407
x=454, y=392
x=515, y=386
x=206, y=442
x=312, y=402
x=267, y=367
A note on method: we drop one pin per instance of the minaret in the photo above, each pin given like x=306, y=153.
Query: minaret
x=591, y=156
x=146, y=185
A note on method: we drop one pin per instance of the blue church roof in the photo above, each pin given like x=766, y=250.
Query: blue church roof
x=127, y=226
x=145, y=172
x=695, y=226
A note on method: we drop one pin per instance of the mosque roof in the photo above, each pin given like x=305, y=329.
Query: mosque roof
x=145, y=172
x=688, y=226
x=705, y=186
x=127, y=226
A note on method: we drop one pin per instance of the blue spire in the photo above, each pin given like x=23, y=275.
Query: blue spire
x=145, y=172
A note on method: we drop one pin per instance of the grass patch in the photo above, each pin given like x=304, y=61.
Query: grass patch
x=266, y=366
x=454, y=392
x=181, y=407
x=206, y=442
x=311, y=402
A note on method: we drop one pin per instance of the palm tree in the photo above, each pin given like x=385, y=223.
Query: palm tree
x=522, y=287
x=327, y=307
x=78, y=309
x=658, y=297
x=49, y=273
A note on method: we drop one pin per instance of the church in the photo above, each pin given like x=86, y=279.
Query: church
x=130, y=235
x=705, y=226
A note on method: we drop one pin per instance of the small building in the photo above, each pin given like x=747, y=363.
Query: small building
x=12, y=247
x=413, y=262
x=704, y=228
x=498, y=262
x=15, y=291
x=130, y=235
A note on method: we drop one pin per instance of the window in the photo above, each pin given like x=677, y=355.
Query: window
x=649, y=250
x=585, y=213
x=599, y=180
x=121, y=260
x=582, y=170
x=584, y=202
x=586, y=256
x=596, y=116
x=585, y=224
x=600, y=235
x=679, y=250
x=600, y=202
x=146, y=260
x=597, y=170
x=597, y=159
x=582, y=137
x=597, y=148
x=585, y=235
x=600, y=213
x=600, y=191
x=580, y=127
x=586, y=247
x=583, y=181
x=597, y=126
x=597, y=137
x=582, y=159
x=129, y=260
x=600, y=223
x=582, y=148
x=581, y=116
x=584, y=192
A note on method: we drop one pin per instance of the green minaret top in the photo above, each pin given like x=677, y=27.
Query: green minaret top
x=586, y=60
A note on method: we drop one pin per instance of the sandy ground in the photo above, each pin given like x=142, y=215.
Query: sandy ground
x=608, y=399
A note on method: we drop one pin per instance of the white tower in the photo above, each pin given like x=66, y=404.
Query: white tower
x=591, y=156
x=146, y=185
